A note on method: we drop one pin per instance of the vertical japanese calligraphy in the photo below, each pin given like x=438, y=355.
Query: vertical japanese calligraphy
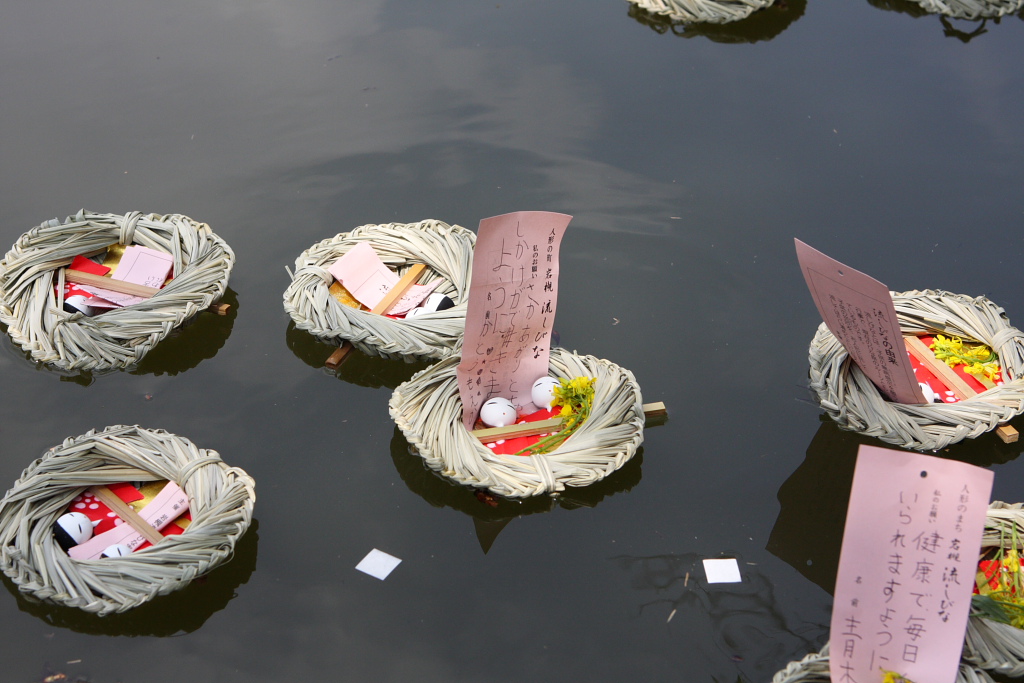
x=511, y=308
x=906, y=571
x=858, y=309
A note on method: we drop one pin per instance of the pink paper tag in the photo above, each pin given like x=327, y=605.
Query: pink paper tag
x=511, y=310
x=166, y=507
x=368, y=279
x=858, y=309
x=906, y=571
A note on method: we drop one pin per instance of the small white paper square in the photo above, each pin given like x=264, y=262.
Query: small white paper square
x=378, y=564
x=722, y=571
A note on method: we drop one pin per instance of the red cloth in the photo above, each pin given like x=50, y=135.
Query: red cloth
x=512, y=446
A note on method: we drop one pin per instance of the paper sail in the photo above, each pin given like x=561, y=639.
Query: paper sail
x=511, y=309
x=858, y=309
x=907, y=566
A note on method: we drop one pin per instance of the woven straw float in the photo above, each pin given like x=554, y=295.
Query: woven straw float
x=120, y=337
x=991, y=645
x=971, y=9
x=709, y=11
x=447, y=251
x=220, y=499
x=428, y=410
x=850, y=398
x=814, y=669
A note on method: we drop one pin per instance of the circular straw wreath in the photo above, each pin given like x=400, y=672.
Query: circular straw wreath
x=708, y=11
x=971, y=9
x=855, y=403
x=428, y=410
x=220, y=503
x=446, y=250
x=814, y=668
x=122, y=336
x=992, y=645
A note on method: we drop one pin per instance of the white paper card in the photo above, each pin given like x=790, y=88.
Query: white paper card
x=378, y=564
x=722, y=571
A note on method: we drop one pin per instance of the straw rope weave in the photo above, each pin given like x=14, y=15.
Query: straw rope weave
x=854, y=402
x=120, y=337
x=220, y=499
x=428, y=410
x=446, y=250
x=971, y=9
x=991, y=645
x=814, y=668
x=709, y=11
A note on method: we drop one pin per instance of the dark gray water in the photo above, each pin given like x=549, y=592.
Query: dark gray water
x=690, y=159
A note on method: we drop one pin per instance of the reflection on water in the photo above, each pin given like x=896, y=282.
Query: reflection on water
x=357, y=367
x=743, y=622
x=492, y=513
x=764, y=24
x=180, y=612
x=808, y=532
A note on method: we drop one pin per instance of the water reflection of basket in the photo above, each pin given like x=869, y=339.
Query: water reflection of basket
x=851, y=399
x=428, y=410
x=814, y=668
x=447, y=252
x=710, y=11
x=991, y=645
x=120, y=337
x=220, y=499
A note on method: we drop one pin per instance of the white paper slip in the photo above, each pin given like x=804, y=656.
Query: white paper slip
x=378, y=564
x=722, y=571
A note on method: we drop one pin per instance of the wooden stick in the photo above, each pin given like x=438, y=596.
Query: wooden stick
x=550, y=425
x=126, y=513
x=340, y=353
x=961, y=389
x=393, y=295
x=400, y=288
x=109, y=283
x=219, y=309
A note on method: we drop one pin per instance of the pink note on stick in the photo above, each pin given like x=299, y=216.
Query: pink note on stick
x=511, y=309
x=858, y=310
x=906, y=570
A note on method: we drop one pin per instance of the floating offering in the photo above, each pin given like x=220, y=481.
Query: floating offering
x=322, y=305
x=870, y=380
x=219, y=498
x=995, y=641
x=109, y=322
x=971, y=9
x=708, y=11
x=428, y=411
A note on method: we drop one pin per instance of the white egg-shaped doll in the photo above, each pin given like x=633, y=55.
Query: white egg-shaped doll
x=498, y=412
x=116, y=550
x=419, y=310
x=437, y=302
x=71, y=529
x=543, y=392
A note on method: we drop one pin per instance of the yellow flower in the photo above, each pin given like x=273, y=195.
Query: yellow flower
x=893, y=677
x=977, y=359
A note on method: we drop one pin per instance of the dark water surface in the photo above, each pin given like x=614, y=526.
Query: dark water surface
x=689, y=157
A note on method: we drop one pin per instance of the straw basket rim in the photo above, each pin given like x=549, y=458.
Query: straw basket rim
x=221, y=500
x=971, y=10
x=814, y=668
x=446, y=250
x=703, y=11
x=428, y=411
x=854, y=402
x=118, y=338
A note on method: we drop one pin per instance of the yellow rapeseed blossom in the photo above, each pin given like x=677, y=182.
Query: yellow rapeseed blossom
x=575, y=396
x=977, y=359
